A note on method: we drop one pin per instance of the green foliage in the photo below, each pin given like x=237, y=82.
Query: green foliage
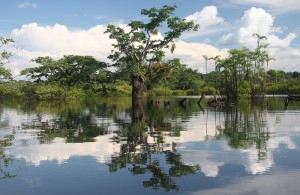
x=280, y=82
x=29, y=90
x=186, y=78
x=178, y=92
x=210, y=90
x=75, y=93
x=10, y=90
x=47, y=92
x=138, y=49
x=122, y=89
x=243, y=73
x=193, y=92
x=160, y=91
x=69, y=71
x=52, y=92
x=244, y=89
x=19, y=89
x=5, y=56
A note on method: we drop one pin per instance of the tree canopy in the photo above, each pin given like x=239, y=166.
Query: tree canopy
x=140, y=47
x=69, y=71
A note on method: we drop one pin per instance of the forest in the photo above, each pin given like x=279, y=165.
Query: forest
x=77, y=76
x=140, y=67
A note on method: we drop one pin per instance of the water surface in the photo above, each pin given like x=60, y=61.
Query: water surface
x=92, y=147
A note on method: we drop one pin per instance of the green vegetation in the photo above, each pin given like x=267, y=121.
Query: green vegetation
x=139, y=51
x=4, y=58
x=181, y=81
x=243, y=73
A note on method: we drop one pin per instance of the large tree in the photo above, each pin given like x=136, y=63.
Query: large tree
x=71, y=70
x=140, y=47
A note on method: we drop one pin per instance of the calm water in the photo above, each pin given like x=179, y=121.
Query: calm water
x=91, y=147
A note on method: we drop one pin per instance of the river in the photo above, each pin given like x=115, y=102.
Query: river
x=91, y=146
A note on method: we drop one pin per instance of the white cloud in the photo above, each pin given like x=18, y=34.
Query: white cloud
x=209, y=21
x=257, y=20
x=277, y=6
x=192, y=54
x=27, y=4
x=208, y=16
x=56, y=41
x=59, y=40
x=240, y=33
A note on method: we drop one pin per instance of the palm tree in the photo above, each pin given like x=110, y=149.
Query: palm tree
x=259, y=38
x=206, y=59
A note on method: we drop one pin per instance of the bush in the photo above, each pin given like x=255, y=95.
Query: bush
x=18, y=90
x=210, y=91
x=9, y=90
x=28, y=90
x=193, y=92
x=122, y=89
x=160, y=91
x=179, y=92
x=75, y=93
x=46, y=92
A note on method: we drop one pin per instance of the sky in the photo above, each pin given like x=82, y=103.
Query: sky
x=76, y=27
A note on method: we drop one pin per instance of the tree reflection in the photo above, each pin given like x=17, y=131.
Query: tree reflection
x=6, y=162
x=141, y=156
x=75, y=124
x=246, y=126
x=142, y=140
x=144, y=151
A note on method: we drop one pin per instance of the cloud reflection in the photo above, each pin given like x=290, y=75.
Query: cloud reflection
x=197, y=145
x=102, y=150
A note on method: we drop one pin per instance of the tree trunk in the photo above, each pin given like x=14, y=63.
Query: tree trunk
x=138, y=113
x=137, y=87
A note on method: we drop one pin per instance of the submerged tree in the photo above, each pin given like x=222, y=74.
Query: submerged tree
x=243, y=72
x=139, y=46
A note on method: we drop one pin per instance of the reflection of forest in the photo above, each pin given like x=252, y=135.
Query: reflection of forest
x=143, y=141
x=138, y=152
x=144, y=148
x=246, y=126
x=6, y=162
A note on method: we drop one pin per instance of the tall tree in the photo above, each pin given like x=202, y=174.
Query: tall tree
x=141, y=47
x=259, y=57
x=206, y=60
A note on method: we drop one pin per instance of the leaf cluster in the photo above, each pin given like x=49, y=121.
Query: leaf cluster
x=140, y=45
x=4, y=57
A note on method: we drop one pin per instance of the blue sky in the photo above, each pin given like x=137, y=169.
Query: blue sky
x=61, y=27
